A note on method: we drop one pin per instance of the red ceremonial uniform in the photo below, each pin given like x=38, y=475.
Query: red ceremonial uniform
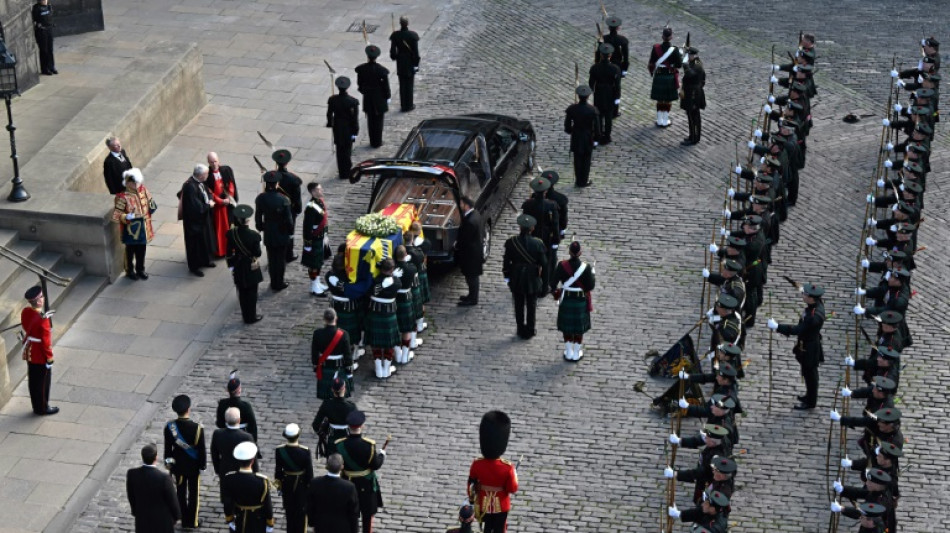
x=497, y=480
x=39, y=336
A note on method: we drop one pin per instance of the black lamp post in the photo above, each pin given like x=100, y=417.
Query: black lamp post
x=8, y=88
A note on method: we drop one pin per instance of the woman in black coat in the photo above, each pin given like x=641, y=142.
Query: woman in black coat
x=693, y=97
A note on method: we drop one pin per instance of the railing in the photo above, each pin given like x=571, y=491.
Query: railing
x=38, y=269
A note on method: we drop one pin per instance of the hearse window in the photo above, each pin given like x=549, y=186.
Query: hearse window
x=434, y=145
x=470, y=170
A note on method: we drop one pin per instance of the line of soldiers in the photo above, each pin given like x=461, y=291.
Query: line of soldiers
x=900, y=182
x=743, y=256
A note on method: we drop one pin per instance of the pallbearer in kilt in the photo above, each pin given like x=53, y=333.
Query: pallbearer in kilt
x=347, y=299
x=405, y=307
x=418, y=248
x=331, y=355
x=665, y=61
x=382, y=327
x=574, y=304
x=315, y=223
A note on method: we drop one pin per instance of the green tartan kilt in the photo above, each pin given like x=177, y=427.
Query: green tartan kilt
x=573, y=318
x=350, y=322
x=314, y=258
x=664, y=88
x=424, y=287
x=405, y=313
x=324, y=386
x=417, y=302
x=382, y=330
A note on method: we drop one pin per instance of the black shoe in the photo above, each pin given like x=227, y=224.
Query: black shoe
x=210, y=265
x=801, y=398
x=53, y=71
x=688, y=142
x=278, y=288
x=198, y=273
x=196, y=526
x=292, y=258
x=257, y=318
x=616, y=114
x=408, y=109
x=132, y=276
x=142, y=275
x=606, y=141
x=468, y=303
x=465, y=298
x=584, y=185
x=803, y=407
x=49, y=411
x=46, y=73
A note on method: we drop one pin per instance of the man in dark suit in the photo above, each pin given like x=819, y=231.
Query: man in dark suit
x=469, y=250
x=115, y=164
x=361, y=460
x=292, y=474
x=582, y=122
x=247, y=419
x=152, y=495
x=196, y=204
x=186, y=457
x=274, y=217
x=343, y=115
x=332, y=503
x=372, y=81
x=225, y=440
x=547, y=214
x=404, y=50
x=243, y=253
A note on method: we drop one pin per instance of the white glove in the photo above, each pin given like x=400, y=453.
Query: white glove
x=773, y=325
x=507, y=281
x=762, y=160
x=674, y=439
x=398, y=272
x=859, y=291
x=795, y=68
x=771, y=98
x=723, y=231
x=835, y=416
x=894, y=74
x=230, y=269
x=839, y=488
x=554, y=247
x=617, y=101
x=353, y=137
x=858, y=310
x=845, y=392
x=776, y=68
x=130, y=216
x=836, y=507
x=683, y=375
x=333, y=280
x=233, y=526
x=49, y=366
x=683, y=403
x=595, y=144
x=887, y=164
x=871, y=222
x=706, y=270
x=880, y=181
x=49, y=313
x=387, y=282
x=623, y=73
x=870, y=241
x=713, y=248
x=732, y=192
x=846, y=463
x=268, y=529
x=848, y=361
x=773, y=79
x=886, y=122
x=669, y=473
x=673, y=512
x=865, y=263
x=751, y=144
x=893, y=228
x=381, y=451
x=727, y=213
x=415, y=69
x=308, y=248
x=758, y=134
x=767, y=108
x=715, y=319
x=870, y=198
x=709, y=312
x=737, y=171
x=389, y=100
x=898, y=108
x=889, y=147
x=711, y=355
x=920, y=65
x=900, y=83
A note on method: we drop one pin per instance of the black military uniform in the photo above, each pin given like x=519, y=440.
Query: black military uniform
x=42, y=14
x=882, y=362
x=729, y=281
x=343, y=115
x=245, y=495
x=693, y=98
x=293, y=472
x=361, y=460
x=243, y=255
x=274, y=217
x=604, y=80
x=547, y=219
x=715, y=443
x=808, y=351
x=337, y=364
x=561, y=200
x=290, y=185
x=330, y=422
x=725, y=327
x=248, y=420
x=522, y=267
x=710, y=516
x=186, y=456
x=372, y=81
x=582, y=122
x=620, y=56
x=404, y=50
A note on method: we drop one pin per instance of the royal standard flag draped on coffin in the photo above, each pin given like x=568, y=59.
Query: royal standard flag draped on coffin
x=363, y=253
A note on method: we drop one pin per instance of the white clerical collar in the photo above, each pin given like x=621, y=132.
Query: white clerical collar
x=117, y=155
x=331, y=474
x=229, y=426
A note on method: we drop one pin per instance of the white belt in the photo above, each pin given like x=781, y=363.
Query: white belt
x=339, y=298
x=31, y=339
x=338, y=427
x=573, y=289
x=404, y=291
x=334, y=357
x=383, y=300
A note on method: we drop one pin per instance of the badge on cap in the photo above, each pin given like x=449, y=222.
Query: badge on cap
x=292, y=431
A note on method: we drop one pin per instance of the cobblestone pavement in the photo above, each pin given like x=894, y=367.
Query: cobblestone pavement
x=593, y=452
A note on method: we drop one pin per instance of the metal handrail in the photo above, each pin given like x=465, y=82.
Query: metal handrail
x=34, y=267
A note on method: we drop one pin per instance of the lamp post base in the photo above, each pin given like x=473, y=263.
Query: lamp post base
x=18, y=194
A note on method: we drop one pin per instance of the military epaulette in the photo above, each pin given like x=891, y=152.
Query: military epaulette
x=506, y=461
x=371, y=441
x=262, y=476
x=303, y=448
x=341, y=439
x=231, y=472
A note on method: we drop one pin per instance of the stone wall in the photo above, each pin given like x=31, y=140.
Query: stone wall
x=77, y=16
x=17, y=29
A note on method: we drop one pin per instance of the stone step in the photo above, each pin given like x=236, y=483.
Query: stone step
x=8, y=268
x=11, y=299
